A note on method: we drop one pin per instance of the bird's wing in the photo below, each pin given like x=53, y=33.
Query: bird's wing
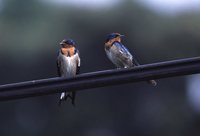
x=78, y=61
x=121, y=51
x=124, y=53
x=135, y=61
x=58, y=65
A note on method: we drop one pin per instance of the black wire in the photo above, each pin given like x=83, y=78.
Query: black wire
x=100, y=79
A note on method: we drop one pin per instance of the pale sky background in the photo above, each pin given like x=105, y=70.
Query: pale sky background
x=163, y=6
x=172, y=6
x=93, y=4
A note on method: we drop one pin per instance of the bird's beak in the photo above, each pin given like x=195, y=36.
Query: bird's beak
x=62, y=43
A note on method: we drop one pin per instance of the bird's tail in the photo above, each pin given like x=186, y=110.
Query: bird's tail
x=152, y=82
x=65, y=95
x=136, y=63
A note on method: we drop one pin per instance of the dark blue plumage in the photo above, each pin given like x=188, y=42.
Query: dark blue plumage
x=122, y=47
x=118, y=54
x=113, y=35
x=68, y=41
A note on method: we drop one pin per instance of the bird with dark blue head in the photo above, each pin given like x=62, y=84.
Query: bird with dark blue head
x=112, y=36
x=68, y=65
x=119, y=55
x=67, y=42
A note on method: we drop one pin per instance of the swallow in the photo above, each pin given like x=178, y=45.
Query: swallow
x=68, y=65
x=119, y=55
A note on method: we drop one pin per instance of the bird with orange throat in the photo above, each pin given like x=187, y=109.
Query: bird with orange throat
x=119, y=55
x=68, y=65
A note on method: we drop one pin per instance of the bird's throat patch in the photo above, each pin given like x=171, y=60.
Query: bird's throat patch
x=68, y=51
x=108, y=45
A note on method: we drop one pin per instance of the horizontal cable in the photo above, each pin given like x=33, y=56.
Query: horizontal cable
x=100, y=79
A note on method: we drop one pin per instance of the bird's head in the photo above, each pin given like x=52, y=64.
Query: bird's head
x=67, y=43
x=113, y=37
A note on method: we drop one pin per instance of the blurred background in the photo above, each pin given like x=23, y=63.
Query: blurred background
x=155, y=30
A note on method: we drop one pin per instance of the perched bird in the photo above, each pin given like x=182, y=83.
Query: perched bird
x=119, y=55
x=68, y=65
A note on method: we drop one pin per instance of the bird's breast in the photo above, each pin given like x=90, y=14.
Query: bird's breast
x=68, y=65
x=111, y=55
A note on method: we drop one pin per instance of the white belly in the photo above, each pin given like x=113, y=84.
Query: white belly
x=68, y=66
